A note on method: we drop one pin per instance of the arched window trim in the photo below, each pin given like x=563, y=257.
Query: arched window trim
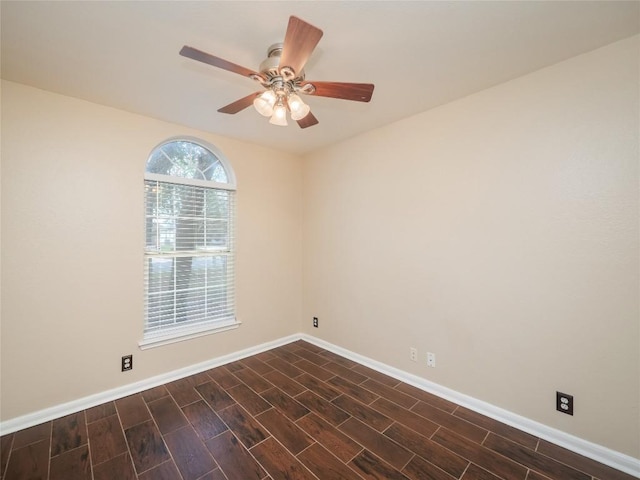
x=193, y=330
x=231, y=176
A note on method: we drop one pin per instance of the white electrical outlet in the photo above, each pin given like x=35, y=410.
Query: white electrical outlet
x=431, y=359
x=413, y=354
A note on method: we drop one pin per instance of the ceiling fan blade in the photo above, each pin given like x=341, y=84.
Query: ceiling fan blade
x=204, y=57
x=359, y=92
x=299, y=41
x=308, y=121
x=239, y=105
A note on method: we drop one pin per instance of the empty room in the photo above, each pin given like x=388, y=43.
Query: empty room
x=320, y=240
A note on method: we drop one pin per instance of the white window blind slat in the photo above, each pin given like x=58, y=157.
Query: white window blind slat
x=189, y=256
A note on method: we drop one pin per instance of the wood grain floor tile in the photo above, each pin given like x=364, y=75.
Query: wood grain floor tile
x=372, y=467
x=279, y=462
x=318, y=386
x=155, y=393
x=189, y=453
x=344, y=372
x=495, y=426
x=100, y=411
x=31, y=435
x=167, y=415
x=532, y=476
x=132, y=410
x=234, y=460
x=246, y=428
x=429, y=450
x=287, y=432
x=427, y=397
x=453, y=423
x=341, y=445
x=390, y=393
x=236, y=366
x=375, y=375
x=286, y=404
x=107, y=439
x=120, y=467
x=335, y=358
x=257, y=365
x=406, y=417
x=256, y=382
x=215, y=396
x=71, y=465
x=291, y=346
x=314, y=370
x=223, y=377
x=396, y=455
x=476, y=473
x=184, y=391
x=419, y=469
x=249, y=399
x=68, y=433
x=265, y=356
x=146, y=446
x=164, y=471
x=481, y=456
x=204, y=420
x=311, y=357
x=286, y=354
x=322, y=407
x=368, y=415
x=533, y=460
x=308, y=346
x=325, y=466
x=285, y=367
x=30, y=462
x=359, y=393
x=6, y=441
x=213, y=475
x=284, y=383
x=580, y=462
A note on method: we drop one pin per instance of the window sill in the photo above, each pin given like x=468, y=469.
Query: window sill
x=166, y=338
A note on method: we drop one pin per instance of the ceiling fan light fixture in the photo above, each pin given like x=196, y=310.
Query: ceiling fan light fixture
x=264, y=103
x=279, y=116
x=282, y=75
x=298, y=108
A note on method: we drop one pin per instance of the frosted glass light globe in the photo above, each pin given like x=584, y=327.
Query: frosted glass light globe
x=264, y=103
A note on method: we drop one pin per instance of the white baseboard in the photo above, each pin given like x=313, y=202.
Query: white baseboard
x=74, y=406
x=617, y=460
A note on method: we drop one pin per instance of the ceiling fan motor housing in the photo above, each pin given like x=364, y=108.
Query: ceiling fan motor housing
x=270, y=66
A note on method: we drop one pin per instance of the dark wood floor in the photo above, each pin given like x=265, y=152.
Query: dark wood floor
x=295, y=412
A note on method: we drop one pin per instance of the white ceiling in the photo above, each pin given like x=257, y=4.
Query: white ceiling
x=419, y=54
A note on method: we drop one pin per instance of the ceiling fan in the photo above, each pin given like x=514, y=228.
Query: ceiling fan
x=283, y=77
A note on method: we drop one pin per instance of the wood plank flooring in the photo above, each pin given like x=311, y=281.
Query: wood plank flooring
x=294, y=412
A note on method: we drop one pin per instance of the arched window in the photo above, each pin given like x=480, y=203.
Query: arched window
x=189, y=252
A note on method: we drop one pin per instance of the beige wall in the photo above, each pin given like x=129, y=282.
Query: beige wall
x=501, y=233
x=72, y=216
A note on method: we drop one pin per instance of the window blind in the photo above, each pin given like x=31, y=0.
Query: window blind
x=189, y=257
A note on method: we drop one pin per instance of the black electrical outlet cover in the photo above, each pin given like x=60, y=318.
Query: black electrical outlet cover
x=315, y=322
x=127, y=363
x=564, y=403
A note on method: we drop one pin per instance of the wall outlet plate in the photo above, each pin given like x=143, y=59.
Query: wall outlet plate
x=315, y=322
x=127, y=363
x=431, y=359
x=413, y=354
x=564, y=403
